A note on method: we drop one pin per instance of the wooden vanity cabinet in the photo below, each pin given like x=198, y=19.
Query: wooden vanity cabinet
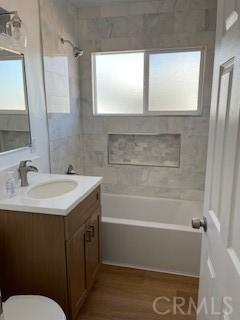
x=92, y=249
x=76, y=266
x=51, y=255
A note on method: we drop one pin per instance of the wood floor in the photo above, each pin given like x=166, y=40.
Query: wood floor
x=128, y=294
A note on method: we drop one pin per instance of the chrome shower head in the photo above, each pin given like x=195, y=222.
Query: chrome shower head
x=76, y=51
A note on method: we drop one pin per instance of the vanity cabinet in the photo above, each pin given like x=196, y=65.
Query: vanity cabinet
x=52, y=255
x=92, y=249
x=76, y=263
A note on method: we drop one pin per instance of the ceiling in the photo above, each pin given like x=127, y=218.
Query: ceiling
x=80, y=3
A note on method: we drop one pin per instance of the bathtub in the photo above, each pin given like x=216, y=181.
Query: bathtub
x=151, y=233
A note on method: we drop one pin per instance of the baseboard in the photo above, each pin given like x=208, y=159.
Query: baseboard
x=125, y=265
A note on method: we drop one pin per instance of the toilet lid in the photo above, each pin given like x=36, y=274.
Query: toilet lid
x=32, y=308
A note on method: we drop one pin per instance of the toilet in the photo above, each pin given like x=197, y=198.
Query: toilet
x=31, y=307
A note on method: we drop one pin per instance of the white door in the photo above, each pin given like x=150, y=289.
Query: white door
x=220, y=262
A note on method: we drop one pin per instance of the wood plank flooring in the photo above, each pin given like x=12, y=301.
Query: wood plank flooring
x=128, y=294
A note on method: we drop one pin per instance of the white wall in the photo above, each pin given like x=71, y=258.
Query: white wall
x=29, y=13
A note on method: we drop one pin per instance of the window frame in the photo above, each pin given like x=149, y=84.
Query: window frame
x=146, y=111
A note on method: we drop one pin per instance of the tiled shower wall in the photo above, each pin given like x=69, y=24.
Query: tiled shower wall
x=60, y=19
x=162, y=150
x=147, y=25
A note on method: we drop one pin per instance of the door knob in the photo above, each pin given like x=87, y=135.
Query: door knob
x=199, y=223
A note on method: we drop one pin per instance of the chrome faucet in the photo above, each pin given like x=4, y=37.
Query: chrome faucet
x=23, y=170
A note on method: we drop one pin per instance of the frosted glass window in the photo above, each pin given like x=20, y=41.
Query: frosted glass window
x=119, y=79
x=174, y=81
x=148, y=82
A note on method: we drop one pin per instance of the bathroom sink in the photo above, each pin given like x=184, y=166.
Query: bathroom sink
x=52, y=189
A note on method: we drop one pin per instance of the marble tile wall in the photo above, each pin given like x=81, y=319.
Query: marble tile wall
x=14, y=131
x=162, y=150
x=144, y=25
x=60, y=19
x=14, y=122
x=10, y=140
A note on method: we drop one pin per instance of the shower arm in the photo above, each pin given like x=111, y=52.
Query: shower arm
x=76, y=51
x=67, y=41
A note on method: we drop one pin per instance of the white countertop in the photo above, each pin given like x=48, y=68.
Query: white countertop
x=61, y=205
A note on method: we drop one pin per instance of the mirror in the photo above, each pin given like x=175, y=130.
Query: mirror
x=14, y=115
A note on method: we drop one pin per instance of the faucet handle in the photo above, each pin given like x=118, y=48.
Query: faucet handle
x=24, y=163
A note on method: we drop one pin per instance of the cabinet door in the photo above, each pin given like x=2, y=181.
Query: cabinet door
x=76, y=270
x=92, y=248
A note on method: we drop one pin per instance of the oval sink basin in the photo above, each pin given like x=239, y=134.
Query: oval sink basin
x=52, y=189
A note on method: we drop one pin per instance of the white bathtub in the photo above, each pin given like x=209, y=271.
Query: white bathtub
x=151, y=233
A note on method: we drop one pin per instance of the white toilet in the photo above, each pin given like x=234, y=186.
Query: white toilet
x=31, y=308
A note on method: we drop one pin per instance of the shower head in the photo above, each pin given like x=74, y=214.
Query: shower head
x=76, y=51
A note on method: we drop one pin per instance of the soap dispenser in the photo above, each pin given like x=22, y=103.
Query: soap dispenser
x=10, y=184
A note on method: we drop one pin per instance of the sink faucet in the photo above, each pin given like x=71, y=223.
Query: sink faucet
x=23, y=170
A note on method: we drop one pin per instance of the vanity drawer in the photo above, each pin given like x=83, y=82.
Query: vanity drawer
x=81, y=213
